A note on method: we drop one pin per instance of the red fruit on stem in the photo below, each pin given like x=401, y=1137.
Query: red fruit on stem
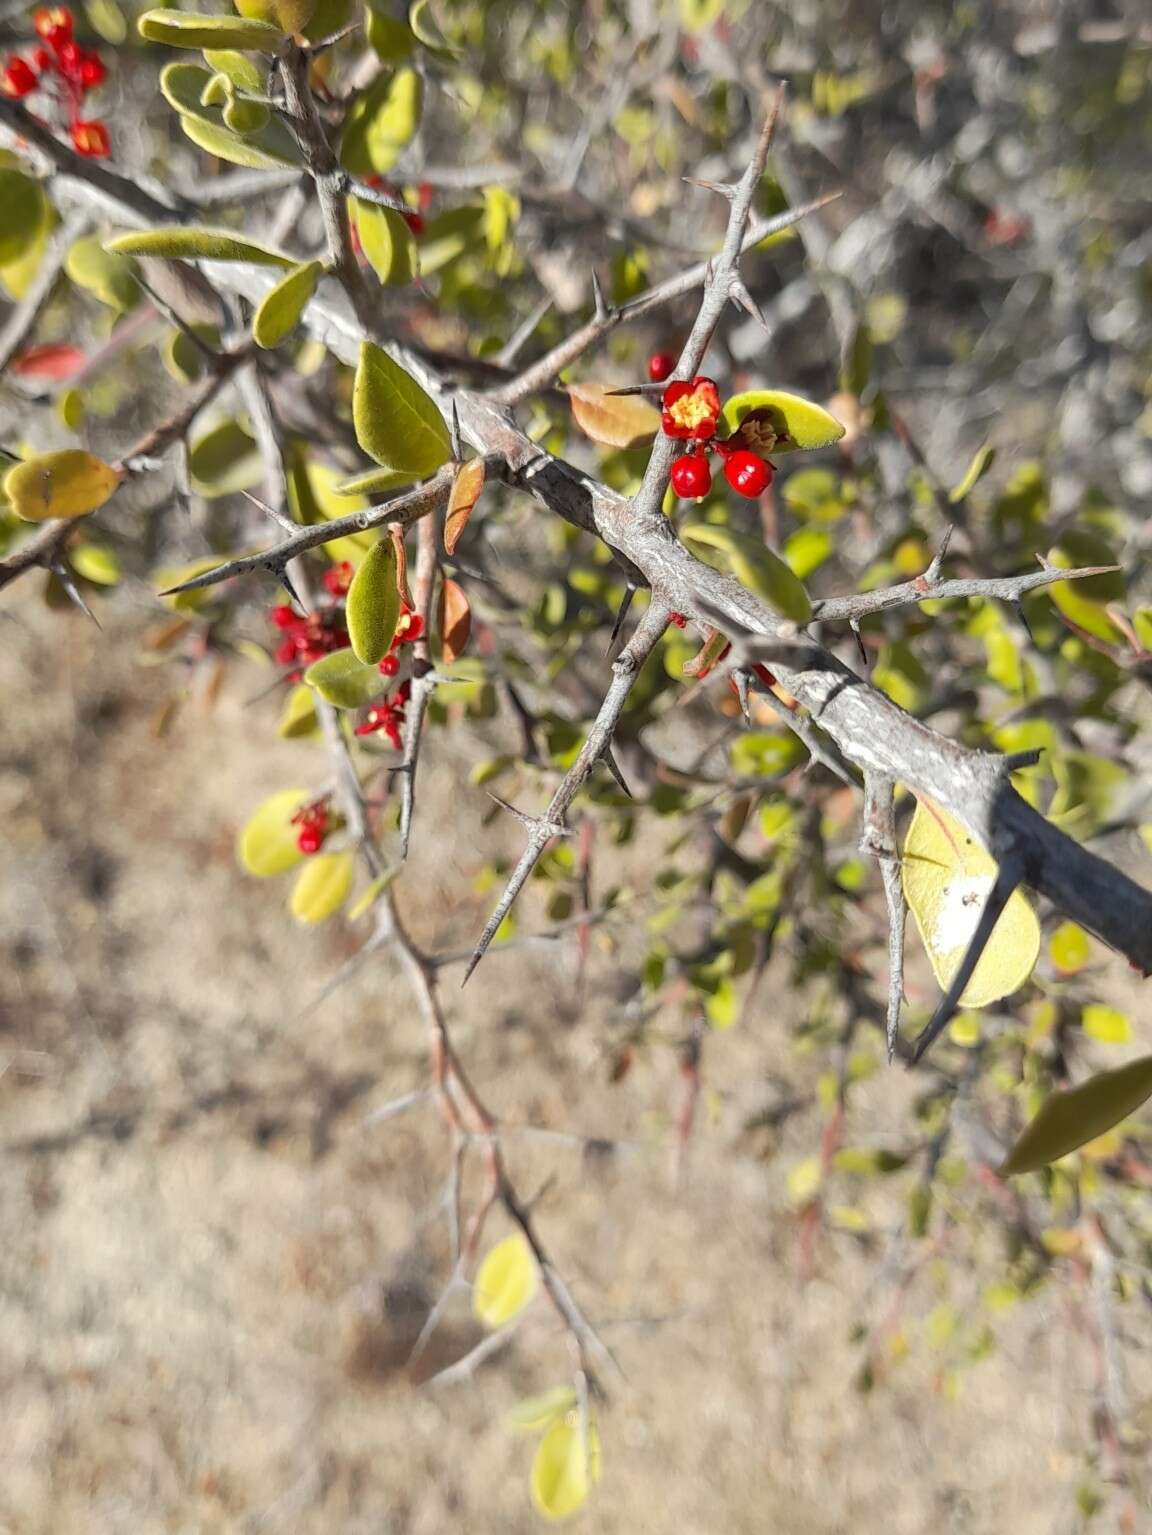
x=748, y=474
x=338, y=579
x=660, y=366
x=389, y=666
x=92, y=71
x=19, y=78
x=90, y=139
x=283, y=616
x=691, y=476
x=53, y=24
x=309, y=840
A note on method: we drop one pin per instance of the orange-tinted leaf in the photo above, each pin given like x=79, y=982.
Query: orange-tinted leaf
x=455, y=618
x=618, y=421
x=397, y=533
x=57, y=360
x=466, y=489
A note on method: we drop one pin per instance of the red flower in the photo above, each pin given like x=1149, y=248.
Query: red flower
x=691, y=410
x=90, y=139
x=19, y=78
x=54, y=25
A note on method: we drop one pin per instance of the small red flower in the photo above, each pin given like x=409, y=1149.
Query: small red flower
x=54, y=24
x=19, y=78
x=338, y=579
x=691, y=410
x=678, y=619
x=748, y=474
x=92, y=71
x=661, y=366
x=90, y=139
x=314, y=821
x=691, y=476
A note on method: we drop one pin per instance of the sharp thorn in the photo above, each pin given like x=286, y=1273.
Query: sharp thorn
x=726, y=189
x=614, y=768
x=629, y=593
x=861, y=651
x=285, y=581
x=457, y=444
x=740, y=296
x=602, y=311
x=740, y=677
x=64, y=576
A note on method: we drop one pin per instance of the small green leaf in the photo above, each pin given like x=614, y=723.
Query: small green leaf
x=396, y=422
x=757, y=566
x=1107, y=1024
x=107, y=20
x=174, y=242
x=373, y=482
x=183, y=359
x=780, y=421
x=505, y=1282
x=225, y=461
x=368, y=898
x=243, y=72
x=1069, y=948
x=267, y=842
x=184, y=29
x=534, y=1413
x=226, y=145
x=272, y=147
x=345, y=681
x=321, y=887
x=1071, y=1119
x=387, y=242
x=70, y=483
x=372, y=609
x=96, y=563
x=982, y=461
x=280, y=309
x=381, y=122
x=108, y=277
x=298, y=718
x=565, y=1469
x=392, y=41
x=22, y=199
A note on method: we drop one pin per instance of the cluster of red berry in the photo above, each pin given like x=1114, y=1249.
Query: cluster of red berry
x=61, y=62
x=690, y=411
x=387, y=715
x=409, y=628
x=307, y=636
x=315, y=822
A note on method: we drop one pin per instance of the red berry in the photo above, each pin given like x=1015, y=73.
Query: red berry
x=286, y=652
x=69, y=56
x=389, y=666
x=90, y=139
x=338, y=579
x=310, y=839
x=748, y=474
x=19, y=78
x=53, y=24
x=415, y=222
x=283, y=616
x=92, y=71
x=691, y=476
x=660, y=366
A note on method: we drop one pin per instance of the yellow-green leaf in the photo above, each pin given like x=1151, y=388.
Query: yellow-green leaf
x=534, y=1413
x=107, y=20
x=183, y=85
x=1069, y=1120
x=182, y=358
x=374, y=482
x=193, y=242
x=321, y=887
x=225, y=461
x=381, y=122
x=392, y=41
x=298, y=717
x=780, y=421
x=70, y=483
x=345, y=681
x=267, y=842
x=368, y=898
x=388, y=244
x=505, y=1282
x=372, y=610
x=107, y=276
x=96, y=563
x=947, y=877
x=1083, y=602
x=565, y=1468
x=243, y=72
x=1107, y=1024
x=982, y=461
x=1069, y=948
x=757, y=566
x=184, y=29
x=396, y=422
x=175, y=575
x=618, y=421
x=280, y=309
x=313, y=497
x=254, y=151
x=22, y=200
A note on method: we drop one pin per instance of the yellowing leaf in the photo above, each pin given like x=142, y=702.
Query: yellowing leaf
x=618, y=421
x=299, y=714
x=183, y=29
x=505, y=1282
x=388, y=244
x=1107, y=1024
x=267, y=842
x=381, y=122
x=70, y=483
x=96, y=563
x=804, y=1180
x=947, y=878
x=344, y=680
x=783, y=421
x=321, y=887
x=466, y=488
x=373, y=604
x=22, y=200
x=193, y=242
x=565, y=1468
x=280, y=309
x=1071, y=1119
x=1083, y=602
x=982, y=461
x=368, y=898
x=536, y=1412
x=396, y=422
x=1069, y=948
x=455, y=620
x=757, y=566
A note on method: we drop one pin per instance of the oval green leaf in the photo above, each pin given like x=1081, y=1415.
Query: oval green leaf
x=96, y=563
x=372, y=610
x=298, y=718
x=534, y=1413
x=175, y=242
x=760, y=569
x=280, y=309
x=225, y=461
x=107, y=276
x=780, y=422
x=321, y=887
x=565, y=1468
x=505, y=1282
x=345, y=681
x=982, y=461
x=947, y=876
x=1071, y=1119
x=381, y=122
x=22, y=200
x=267, y=842
x=396, y=422
x=70, y=483
x=388, y=244
x=184, y=29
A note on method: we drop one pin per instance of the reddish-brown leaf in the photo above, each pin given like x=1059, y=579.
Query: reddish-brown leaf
x=466, y=489
x=397, y=533
x=58, y=360
x=455, y=618
x=618, y=421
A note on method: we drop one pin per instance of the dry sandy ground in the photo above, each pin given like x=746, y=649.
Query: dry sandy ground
x=211, y=1267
